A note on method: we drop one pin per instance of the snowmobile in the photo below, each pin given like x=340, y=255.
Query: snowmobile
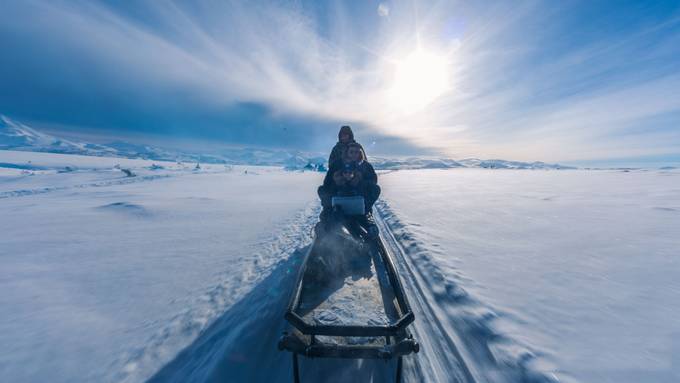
x=348, y=267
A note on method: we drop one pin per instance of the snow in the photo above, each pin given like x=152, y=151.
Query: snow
x=107, y=277
x=15, y=134
x=181, y=274
x=572, y=274
x=351, y=294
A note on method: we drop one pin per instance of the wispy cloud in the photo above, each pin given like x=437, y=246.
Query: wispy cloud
x=524, y=80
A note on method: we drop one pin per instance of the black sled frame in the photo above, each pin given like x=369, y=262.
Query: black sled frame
x=303, y=337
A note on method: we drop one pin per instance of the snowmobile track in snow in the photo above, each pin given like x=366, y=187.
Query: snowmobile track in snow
x=113, y=182
x=436, y=342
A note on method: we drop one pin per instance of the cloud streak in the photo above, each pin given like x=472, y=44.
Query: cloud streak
x=526, y=80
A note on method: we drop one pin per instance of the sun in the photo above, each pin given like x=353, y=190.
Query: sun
x=419, y=79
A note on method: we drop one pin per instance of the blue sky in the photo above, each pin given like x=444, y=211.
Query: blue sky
x=574, y=81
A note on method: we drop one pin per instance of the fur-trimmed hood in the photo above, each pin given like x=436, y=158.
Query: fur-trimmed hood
x=348, y=130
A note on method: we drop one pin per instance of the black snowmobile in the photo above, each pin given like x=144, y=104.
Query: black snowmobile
x=348, y=267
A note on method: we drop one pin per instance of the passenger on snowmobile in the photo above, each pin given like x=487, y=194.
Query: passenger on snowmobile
x=348, y=180
x=369, y=179
x=353, y=176
x=345, y=137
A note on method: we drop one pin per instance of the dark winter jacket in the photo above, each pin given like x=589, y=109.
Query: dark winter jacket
x=364, y=177
x=343, y=186
x=339, y=150
x=367, y=172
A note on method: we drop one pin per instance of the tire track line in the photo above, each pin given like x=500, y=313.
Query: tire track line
x=427, y=316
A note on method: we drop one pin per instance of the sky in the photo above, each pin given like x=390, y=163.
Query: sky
x=586, y=82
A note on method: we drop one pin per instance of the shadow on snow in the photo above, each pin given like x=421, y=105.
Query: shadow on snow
x=241, y=345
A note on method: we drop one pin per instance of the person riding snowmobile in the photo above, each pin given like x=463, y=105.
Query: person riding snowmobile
x=345, y=138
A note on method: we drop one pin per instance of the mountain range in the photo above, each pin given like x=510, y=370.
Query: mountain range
x=17, y=136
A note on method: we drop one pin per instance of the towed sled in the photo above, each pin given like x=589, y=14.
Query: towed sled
x=348, y=301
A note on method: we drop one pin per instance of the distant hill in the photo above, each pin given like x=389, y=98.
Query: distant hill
x=447, y=163
x=17, y=136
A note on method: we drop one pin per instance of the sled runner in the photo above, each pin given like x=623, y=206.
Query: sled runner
x=348, y=301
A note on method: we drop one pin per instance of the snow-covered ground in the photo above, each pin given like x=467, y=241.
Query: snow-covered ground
x=106, y=277
x=571, y=273
x=182, y=274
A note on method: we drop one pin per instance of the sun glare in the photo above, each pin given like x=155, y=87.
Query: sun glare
x=419, y=79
